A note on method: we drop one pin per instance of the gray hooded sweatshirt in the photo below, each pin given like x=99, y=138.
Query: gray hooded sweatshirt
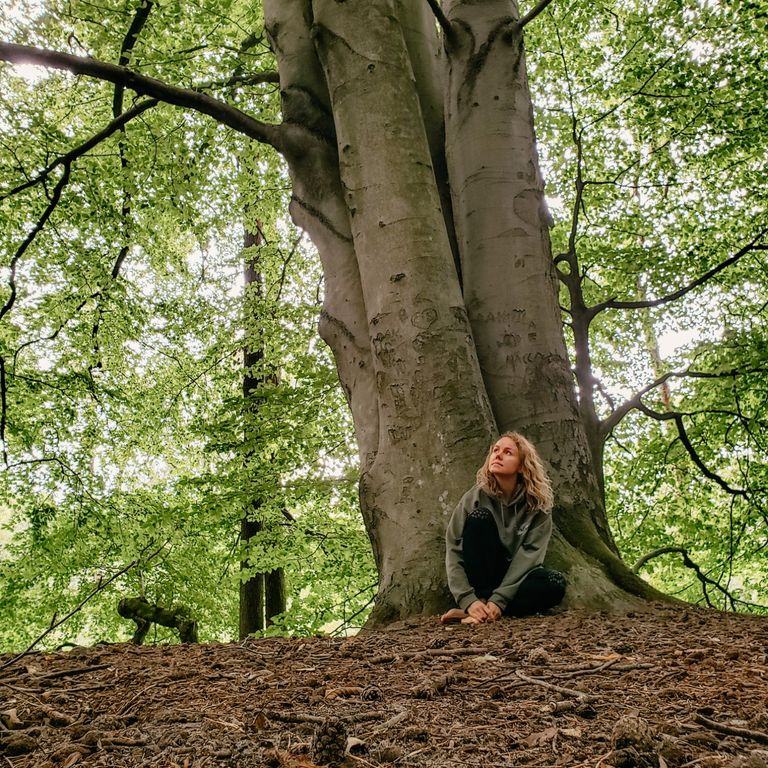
x=523, y=533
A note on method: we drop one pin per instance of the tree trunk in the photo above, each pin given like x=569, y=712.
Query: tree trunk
x=252, y=588
x=510, y=285
x=274, y=594
x=256, y=612
x=432, y=373
x=431, y=424
x=318, y=207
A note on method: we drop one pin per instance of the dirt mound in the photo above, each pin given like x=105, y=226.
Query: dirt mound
x=659, y=688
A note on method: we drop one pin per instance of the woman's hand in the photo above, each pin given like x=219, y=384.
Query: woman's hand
x=479, y=611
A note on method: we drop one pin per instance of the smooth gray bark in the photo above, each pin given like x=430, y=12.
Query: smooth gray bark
x=510, y=284
x=318, y=207
x=418, y=357
x=434, y=420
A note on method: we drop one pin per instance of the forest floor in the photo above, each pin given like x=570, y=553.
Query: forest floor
x=663, y=688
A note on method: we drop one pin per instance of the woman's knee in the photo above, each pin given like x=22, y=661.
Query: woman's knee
x=542, y=589
x=553, y=585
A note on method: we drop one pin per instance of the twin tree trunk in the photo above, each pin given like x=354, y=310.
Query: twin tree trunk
x=415, y=173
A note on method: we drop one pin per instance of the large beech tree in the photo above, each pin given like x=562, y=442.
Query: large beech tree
x=407, y=129
x=404, y=145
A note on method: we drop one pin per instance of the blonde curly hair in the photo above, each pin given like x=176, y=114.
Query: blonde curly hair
x=538, y=489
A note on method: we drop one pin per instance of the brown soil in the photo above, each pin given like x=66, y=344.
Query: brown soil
x=667, y=687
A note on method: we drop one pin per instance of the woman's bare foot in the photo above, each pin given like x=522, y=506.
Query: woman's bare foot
x=453, y=616
x=471, y=620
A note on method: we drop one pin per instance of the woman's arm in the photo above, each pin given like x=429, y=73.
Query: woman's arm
x=458, y=582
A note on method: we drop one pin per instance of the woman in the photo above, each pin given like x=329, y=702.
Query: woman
x=497, y=538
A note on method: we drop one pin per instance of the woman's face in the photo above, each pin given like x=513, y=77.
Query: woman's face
x=505, y=458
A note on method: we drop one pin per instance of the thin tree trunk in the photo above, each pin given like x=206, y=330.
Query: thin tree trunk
x=275, y=592
x=251, y=589
x=262, y=595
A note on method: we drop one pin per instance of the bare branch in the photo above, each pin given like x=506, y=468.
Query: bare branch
x=656, y=553
x=54, y=201
x=85, y=147
x=635, y=401
x=129, y=41
x=700, y=575
x=678, y=419
x=653, y=74
x=732, y=730
x=3, y=409
x=533, y=13
x=754, y=245
x=692, y=453
x=609, y=423
x=131, y=36
x=266, y=133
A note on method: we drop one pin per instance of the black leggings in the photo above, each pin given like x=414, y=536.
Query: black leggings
x=486, y=561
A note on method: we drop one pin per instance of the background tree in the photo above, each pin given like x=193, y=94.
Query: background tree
x=147, y=449
x=666, y=232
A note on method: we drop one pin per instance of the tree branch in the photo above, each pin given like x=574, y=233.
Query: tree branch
x=100, y=587
x=442, y=20
x=86, y=146
x=678, y=419
x=635, y=401
x=692, y=453
x=131, y=36
x=255, y=78
x=230, y=116
x=613, y=304
x=533, y=13
x=616, y=416
x=656, y=553
x=688, y=563
x=54, y=201
x=129, y=41
x=3, y=409
x=732, y=730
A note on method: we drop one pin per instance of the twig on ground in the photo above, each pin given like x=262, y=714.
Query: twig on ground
x=732, y=730
x=75, y=671
x=300, y=717
x=139, y=695
x=393, y=721
x=585, y=670
x=389, y=657
x=580, y=695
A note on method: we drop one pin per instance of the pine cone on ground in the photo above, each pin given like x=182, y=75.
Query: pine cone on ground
x=329, y=742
